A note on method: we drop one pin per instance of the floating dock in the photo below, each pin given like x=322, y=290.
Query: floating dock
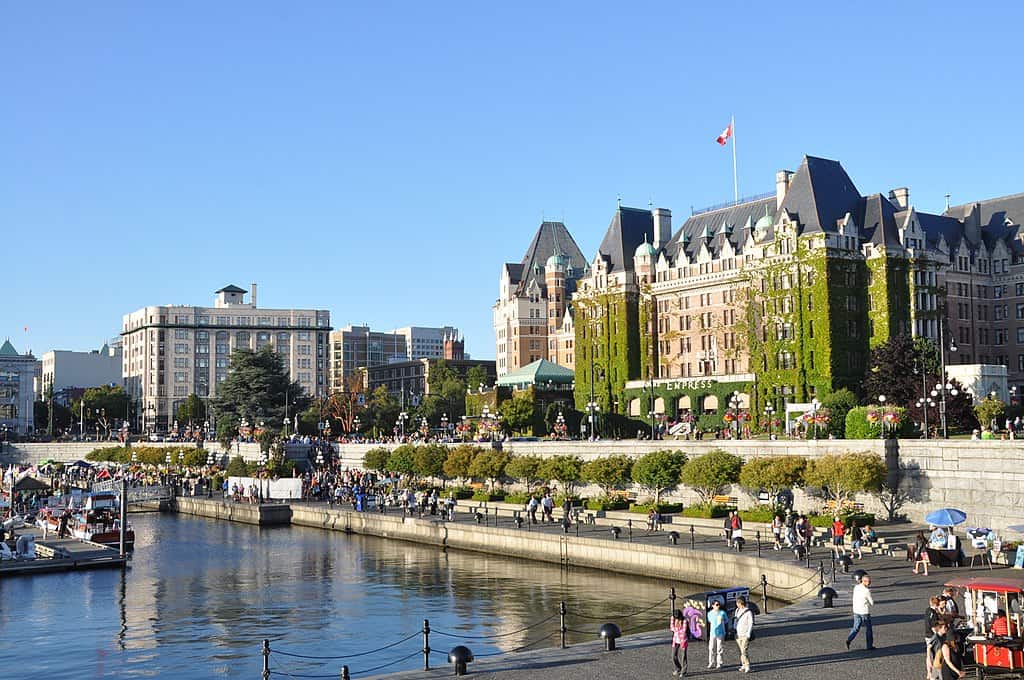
x=62, y=554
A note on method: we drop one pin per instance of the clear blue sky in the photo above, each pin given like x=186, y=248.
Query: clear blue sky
x=383, y=159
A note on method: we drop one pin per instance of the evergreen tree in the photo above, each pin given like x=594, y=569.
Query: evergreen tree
x=256, y=389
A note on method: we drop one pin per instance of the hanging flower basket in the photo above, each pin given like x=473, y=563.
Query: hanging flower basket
x=872, y=416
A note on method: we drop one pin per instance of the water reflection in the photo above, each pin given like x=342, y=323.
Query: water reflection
x=201, y=594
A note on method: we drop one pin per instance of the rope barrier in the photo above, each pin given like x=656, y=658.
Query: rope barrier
x=517, y=649
x=385, y=665
x=639, y=611
x=344, y=656
x=498, y=635
x=799, y=585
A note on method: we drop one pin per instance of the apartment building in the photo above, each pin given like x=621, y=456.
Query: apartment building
x=172, y=351
x=67, y=372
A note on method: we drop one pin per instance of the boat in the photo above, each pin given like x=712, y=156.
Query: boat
x=98, y=520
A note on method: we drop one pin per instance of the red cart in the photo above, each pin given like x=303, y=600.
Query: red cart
x=994, y=608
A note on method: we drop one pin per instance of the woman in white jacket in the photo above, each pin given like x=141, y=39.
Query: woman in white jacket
x=743, y=623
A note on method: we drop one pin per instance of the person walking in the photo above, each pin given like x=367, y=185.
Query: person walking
x=743, y=624
x=531, y=508
x=716, y=634
x=547, y=506
x=680, y=628
x=857, y=536
x=777, y=531
x=862, y=603
x=727, y=529
x=838, y=536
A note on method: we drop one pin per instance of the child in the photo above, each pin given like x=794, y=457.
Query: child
x=680, y=640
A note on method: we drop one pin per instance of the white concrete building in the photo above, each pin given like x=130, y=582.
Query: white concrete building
x=172, y=351
x=65, y=370
x=17, y=372
x=426, y=343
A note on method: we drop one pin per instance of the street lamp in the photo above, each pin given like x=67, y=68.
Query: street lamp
x=593, y=408
x=814, y=414
x=734, y=404
x=444, y=425
x=402, y=417
x=560, y=426
x=940, y=388
x=769, y=412
x=924, y=403
x=210, y=459
x=356, y=423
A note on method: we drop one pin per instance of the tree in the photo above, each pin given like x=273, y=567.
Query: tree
x=707, y=474
x=459, y=460
x=859, y=423
x=989, y=410
x=345, y=405
x=382, y=410
x=103, y=405
x=448, y=389
x=237, y=467
x=256, y=389
x=62, y=416
x=568, y=470
x=428, y=460
x=526, y=469
x=376, y=459
x=517, y=412
x=841, y=476
x=477, y=375
x=773, y=474
x=402, y=460
x=838, y=404
x=608, y=472
x=192, y=410
x=658, y=471
x=489, y=464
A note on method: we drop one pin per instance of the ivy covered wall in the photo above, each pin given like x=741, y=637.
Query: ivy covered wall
x=607, y=334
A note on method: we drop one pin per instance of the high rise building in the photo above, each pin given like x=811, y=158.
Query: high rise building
x=65, y=371
x=354, y=348
x=172, y=351
x=16, y=390
x=431, y=343
x=532, y=316
x=781, y=297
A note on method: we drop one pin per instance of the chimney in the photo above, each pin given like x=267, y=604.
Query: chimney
x=782, y=180
x=662, y=227
x=901, y=197
x=252, y=295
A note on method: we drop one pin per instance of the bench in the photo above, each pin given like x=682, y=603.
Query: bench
x=832, y=507
x=728, y=501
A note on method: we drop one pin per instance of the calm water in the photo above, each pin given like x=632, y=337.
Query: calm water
x=201, y=595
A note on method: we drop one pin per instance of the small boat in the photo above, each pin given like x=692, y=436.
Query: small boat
x=98, y=521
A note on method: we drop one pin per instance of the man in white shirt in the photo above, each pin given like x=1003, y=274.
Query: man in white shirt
x=862, y=604
x=744, y=625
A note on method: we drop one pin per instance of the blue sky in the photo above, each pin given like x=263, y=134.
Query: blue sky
x=383, y=159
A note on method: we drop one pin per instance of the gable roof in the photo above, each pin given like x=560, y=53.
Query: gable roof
x=7, y=350
x=539, y=372
x=876, y=216
x=551, y=237
x=820, y=194
x=691, y=235
x=994, y=211
x=231, y=289
x=628, y=229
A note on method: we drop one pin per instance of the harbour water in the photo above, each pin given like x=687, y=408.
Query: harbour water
x=200, y=595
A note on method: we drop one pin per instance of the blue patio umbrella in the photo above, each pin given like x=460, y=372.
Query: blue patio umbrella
x=946, y=517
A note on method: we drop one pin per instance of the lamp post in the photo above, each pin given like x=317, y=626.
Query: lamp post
x=593, y=408
x=356, y=423
x=814, y=414
x=734, y=404
x=924, y=403
x=560, y=425
x=402, y=417
x=444, y=427
x=944, y=386
x=769, y=412
x=881, y=416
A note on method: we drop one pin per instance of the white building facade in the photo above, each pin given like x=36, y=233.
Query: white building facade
x=66, y=370
x=17, y=394
x=172, y=351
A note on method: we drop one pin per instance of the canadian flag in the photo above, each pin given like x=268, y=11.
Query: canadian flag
x=726, y=134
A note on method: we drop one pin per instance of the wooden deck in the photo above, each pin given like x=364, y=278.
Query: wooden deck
x=62, y=554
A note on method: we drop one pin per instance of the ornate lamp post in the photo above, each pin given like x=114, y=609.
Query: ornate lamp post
x=402, y=417
x=444, y=425
x=944, y=386
x=560, y=426
x=769, y=412
x=593, y=408
x=734, y=404
x=924, y=403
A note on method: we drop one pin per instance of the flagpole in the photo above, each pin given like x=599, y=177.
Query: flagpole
x=735, y=180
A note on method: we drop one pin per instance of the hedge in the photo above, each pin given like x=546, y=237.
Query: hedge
x=662, y=508
x=488, y=496
x=705, y=512
x=825, y=521
x=607, y=504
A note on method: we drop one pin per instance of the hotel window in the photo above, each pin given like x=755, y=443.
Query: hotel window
x=223, y=320
x=180, y=334
x=180, y=377
x=204, y=321
x=180, y=362
x=181, y=348
x=202, y=363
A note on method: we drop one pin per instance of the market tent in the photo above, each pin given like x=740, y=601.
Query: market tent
x=30, y=484
x=946, y=517
x=81, y=464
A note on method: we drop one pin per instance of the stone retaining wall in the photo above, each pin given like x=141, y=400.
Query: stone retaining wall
x=261, y=515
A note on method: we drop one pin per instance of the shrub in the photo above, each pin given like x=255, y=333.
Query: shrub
x=520, y=498
x=487, y=496
x=662, y=508
x=461, y=492
x=575, y=500
x=456, y=465
x=706, y=512
x=606, y=503
x=376, y=459
x=565, y=469
x=773, y=474
x=758, y=515
x=707, y=474
x=609, y=472
x=658, y=471
x=858, y=427
x=826, y=520
x=237, y=467
x=838, y=404
x=842, y=476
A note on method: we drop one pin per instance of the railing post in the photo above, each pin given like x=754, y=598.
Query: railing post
x=344, y=673
x=693, y=538
x=764, y=593
x=833, y=567
x=629, y=525
x=757, y=535
x=426, y=644
x=821, y=574
x=807, y=556
x=266, y=659
x=561, y=623
x=672, y=600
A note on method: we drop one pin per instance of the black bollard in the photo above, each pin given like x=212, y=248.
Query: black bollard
x=479, y=517
x=672, y=600
x=673, y=537
x=609, y=632
x=827, y=595
x=266, y=660
x=629, y=525
x=615, y=531
x=565, y=525
x=519, y=522
x=764, y=593
x=460, y=656
x=757, y=537
x=426, y=644
x=344, y=673
x=561, y=623
x=693, y=538
x=821, y=574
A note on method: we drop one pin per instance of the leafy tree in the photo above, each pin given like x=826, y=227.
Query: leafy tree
x=658, y=471
x=459, y=460
x=448, y=392
x=382, y=410
x=773, y=473
x=841, y=476
x=989, y=410
x=428, y=460
x=103, y=406
x=517, y=412
x=256, y=389
x=891, y=370
x=838, y=404
x=402, y=460
x=376, y=459
x=526, y=469
x=568, y=470
x=345, y=406
x=707, y=474
x=608, y=472
x=859, y=427
x=237, y=467
x=192, y=410
x=62, y=416
x=489, y=464
x=477, y=375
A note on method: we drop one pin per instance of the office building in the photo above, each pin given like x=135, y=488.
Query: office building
x=17, y=396
x=66, y=372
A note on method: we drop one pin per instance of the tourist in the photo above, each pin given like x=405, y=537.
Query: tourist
x=777, y=531
x=838, y=536
x=948, y=598
x=680, y=628
x=857, y=536
x=921, y=553
x=862, y=603
x=727, y=529
x=806, y=532
x=653, y=520
x=531, y=508
x=716, y=634
x=947, y=659
x=547, y=505
x=932, y=617
x=743, y=624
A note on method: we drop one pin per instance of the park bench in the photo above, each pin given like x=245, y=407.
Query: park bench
x=727, y=501
x=831, y=507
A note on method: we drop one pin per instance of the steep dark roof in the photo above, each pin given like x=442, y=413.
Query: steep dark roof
x=994, y=211
x=7, y=350
x=515, y=272
x=628, y=229
x=876, y=216
x=935, y=226
x=231, y=289
x=551, y=237
x=820, y=194
x=690, y=235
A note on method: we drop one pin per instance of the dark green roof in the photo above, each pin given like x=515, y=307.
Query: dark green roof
x=7, y=350
x=538, y=373
x=231, y=289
